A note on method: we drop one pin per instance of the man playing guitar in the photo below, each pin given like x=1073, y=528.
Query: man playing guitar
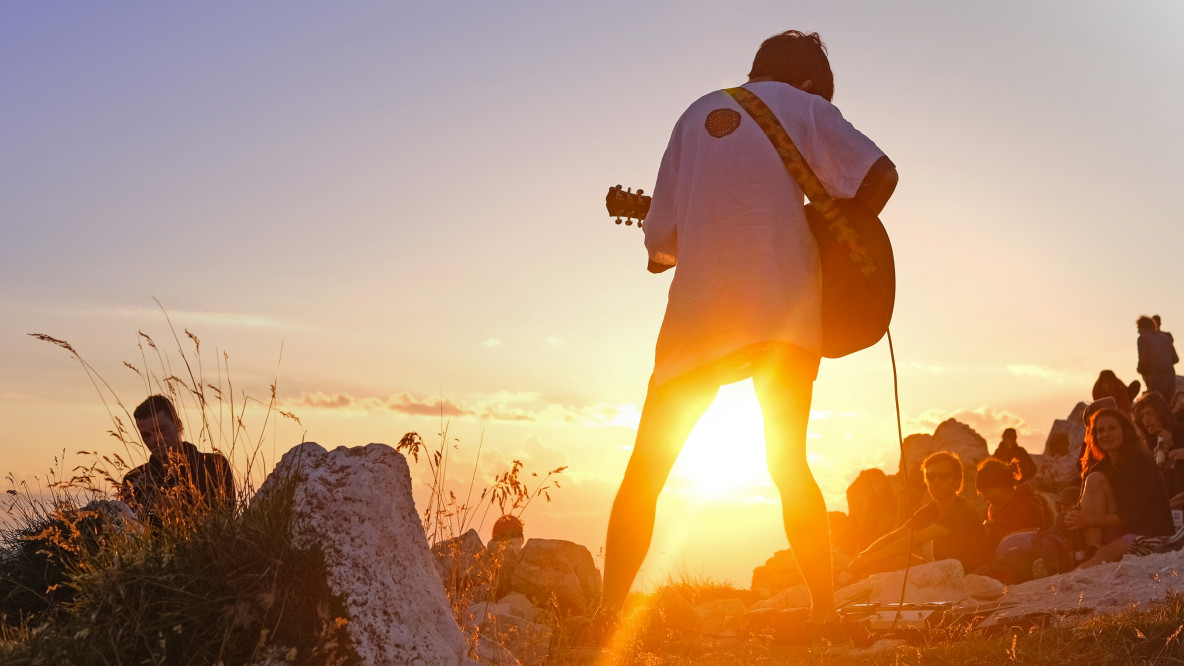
x=744, y=301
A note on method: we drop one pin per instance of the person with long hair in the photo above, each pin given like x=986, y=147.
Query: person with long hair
x=1164, y=434
x=1122, y=494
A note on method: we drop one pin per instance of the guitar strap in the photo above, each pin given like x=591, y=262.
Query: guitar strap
x=837, y=225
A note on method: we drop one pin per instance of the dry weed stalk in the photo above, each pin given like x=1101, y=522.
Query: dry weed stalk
x=470, y=579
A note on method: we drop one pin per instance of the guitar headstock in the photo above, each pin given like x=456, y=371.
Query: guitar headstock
x=627, y=204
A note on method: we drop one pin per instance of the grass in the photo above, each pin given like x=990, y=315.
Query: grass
x=222, y=587
x=1152, y=634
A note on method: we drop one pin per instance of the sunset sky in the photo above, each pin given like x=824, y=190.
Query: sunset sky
x=408, y=202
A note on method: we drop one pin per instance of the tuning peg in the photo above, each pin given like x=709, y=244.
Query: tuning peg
x=628, y=221
x=618, y=220
x=639, y=224
x=640, y=192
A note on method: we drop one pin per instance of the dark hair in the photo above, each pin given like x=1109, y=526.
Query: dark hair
x=994, y=473
x=1091, y=454
x=1145, y=323
x=1153, y=402
x=946, y=457
x=795, y=57
x=508, y=526
x=157, y=404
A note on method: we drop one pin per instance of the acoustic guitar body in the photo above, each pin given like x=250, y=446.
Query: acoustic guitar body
x=857, y=294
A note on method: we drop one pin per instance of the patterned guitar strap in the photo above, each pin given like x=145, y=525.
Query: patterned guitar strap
x=836, y=221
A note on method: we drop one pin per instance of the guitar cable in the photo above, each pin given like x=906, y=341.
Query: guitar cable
x=904, y=469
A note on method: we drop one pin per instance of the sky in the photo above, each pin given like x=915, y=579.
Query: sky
x=394, y=213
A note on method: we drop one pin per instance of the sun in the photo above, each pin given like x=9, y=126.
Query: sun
x=724, y=456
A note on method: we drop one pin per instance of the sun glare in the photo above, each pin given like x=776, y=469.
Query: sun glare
x=725, y=455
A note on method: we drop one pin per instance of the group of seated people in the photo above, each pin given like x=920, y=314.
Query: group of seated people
x=1122, y=505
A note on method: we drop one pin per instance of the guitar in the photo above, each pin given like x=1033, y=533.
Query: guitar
x=627, y=204
x=855, y=259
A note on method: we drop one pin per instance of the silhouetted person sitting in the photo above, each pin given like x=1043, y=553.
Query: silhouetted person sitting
x=1009, y=451
x=1108, y=385
x=1122, y=494
x=178, y=481
x=1157, y=358
x=1164, y=435
x=949, y=521
x=1011, y=506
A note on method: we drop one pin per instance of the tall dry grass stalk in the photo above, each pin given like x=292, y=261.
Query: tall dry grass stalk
x=83, y=582
x=472, y=577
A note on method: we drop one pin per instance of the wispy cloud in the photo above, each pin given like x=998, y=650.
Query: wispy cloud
x=1022, y=370
x=491, y=343
x=986, y=421
x=504, y=406
x=188, y=317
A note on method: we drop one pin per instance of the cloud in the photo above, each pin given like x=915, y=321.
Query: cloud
x=986, y=421
x=491, y=343
x=504, y=406
x=1021, y=370
x=187, y=318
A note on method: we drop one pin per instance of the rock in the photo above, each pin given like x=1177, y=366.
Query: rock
x=872, y=510
x=116, y=514
x=1056, y=473
x=879, y=647
x=461, y=564
x=793, y=597
x=518, y=604
x=493, y=653
x=982, y=587
x=565, y=570
x=721, y=615
x=528, y=642
x=1127, y=569
x=503, y=556
x=355, y=506
x=777, y=573
x=933, y=581
x=676, y=612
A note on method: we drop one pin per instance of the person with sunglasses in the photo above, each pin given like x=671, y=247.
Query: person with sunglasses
x=949, y=521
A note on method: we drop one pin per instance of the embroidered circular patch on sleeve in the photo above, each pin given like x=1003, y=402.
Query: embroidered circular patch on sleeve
x=722, y=122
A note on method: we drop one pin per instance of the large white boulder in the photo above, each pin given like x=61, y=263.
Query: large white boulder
x=933, y=581
x=355, y=505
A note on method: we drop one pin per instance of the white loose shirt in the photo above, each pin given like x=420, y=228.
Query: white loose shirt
x=729, y=215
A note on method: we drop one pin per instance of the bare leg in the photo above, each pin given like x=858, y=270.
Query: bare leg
x=1111, y=552
x=668, y=416
x=1097, y=499
x=784, y=387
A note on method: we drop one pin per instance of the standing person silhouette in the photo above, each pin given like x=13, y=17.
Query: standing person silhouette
x=1157, y=358
x=744, y=301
